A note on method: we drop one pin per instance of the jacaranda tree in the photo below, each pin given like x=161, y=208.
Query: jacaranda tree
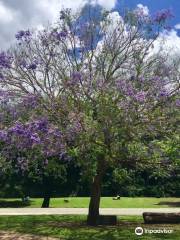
x=97, y=79
x=32, y=146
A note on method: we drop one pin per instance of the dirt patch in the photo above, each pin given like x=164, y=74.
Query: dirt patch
x=20, y=236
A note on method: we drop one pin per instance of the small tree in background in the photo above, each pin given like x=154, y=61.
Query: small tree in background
x=31, y=146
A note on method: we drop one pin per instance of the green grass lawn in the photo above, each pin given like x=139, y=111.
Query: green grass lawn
x=106, y=202
x=74, y=228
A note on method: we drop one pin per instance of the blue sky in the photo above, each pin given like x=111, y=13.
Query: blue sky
x=29, y=14
x=154, y=5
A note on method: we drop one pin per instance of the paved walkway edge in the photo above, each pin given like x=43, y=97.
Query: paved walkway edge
x=83, y=211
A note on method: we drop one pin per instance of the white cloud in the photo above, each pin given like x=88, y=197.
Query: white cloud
x=168, y=43
x=20, y=14
x=115, y=19
x=52, y=7
x=177, y=26
x=142, y=10
x=109, y=4
x=48, y=8
x=23, y=14
x=6, y=14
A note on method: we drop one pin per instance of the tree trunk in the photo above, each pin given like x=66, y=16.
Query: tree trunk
x=47, y=191
x=93, y=215
x=46, y=201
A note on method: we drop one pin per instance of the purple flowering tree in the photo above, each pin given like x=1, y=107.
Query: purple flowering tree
x=96, y=78
x=31, y=144
x=31, y=149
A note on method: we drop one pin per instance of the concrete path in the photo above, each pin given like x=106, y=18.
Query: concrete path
x=83, y=211
x=6, y=235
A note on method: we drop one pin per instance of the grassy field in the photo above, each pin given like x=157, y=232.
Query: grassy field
x=74, y=228
x=106, y=202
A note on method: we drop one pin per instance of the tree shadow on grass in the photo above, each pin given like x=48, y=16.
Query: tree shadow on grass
x=169, y=204
x=75, y=228
x=80, y=231
x=14, y=204
x=75, y=231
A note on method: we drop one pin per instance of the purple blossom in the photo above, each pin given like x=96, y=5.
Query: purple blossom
x=38, y=135
x=129, y=91
x=32, y=66
x=5, y=60
x=19, y=35
x=23, y=35
x=163, y=15
x=65, y=157
x=23, y=63
x=7, y=108
x=168, y=28
x=125, y=88
x=30, y=100
x=41, y=125
x=3, y=135
x=156, y=79
x=59, y=35
x=177, y=102
x=62, y=155
x=163, y=93
x=18, y=128
x=13, y=107
x=142, y=79
x=1, y=76
x=3, y=94
x=35, y=138
x=75, y=78
x=141, y=96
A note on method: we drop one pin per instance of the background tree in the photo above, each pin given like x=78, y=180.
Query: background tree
x=31, y=146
